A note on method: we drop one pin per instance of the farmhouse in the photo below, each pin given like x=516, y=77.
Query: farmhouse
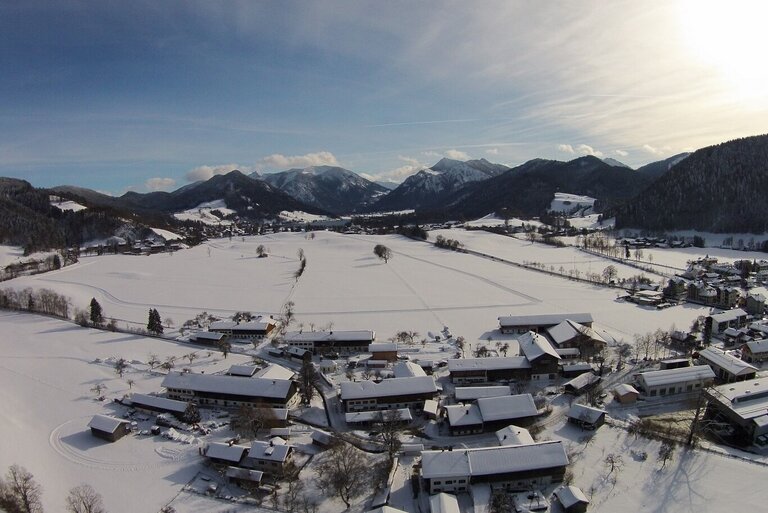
x=573, y=334
x=541, y=355
x=230, y=391
x=108, y=428
x=394, y=393
x=444, y=503
x=225, y=454
x=464, y=419
x=755, y=351
x=582, y=383
x=586, y=417
x=675, y=381
x=207, y=338
x=485, y=370
x=512, y=467
x=155, y=404
x=244, y=476
x=573, y=369
x=386, y=351
x=523, y=323
x=321, y=342
x=490, y=413
x=727, y=367
x=368, y=418
x=268, y=457
x=256, y=329
x=718, y=323
x=744, y=406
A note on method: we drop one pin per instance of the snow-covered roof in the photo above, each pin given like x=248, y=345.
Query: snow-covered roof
x=569, y=496
x=486, y=461
x=473, y=393
x=245, y=474
x=681, y=375
x=728, y=316
x=514, y=435
x=320, y=436
x=261, y=324
x=222, y=325
x=568, y=351
x=226, y=452
x=328, y=336
x=387, y=388
x=758, y=346
x=154, y=401
x=242, y=370
x=385, y=509
x=726, y=361
x=274, y=371
x=296, y=351
x=430, y=406
x=232, y=385
x=105, y=423
x=507, y=407
x=569, y=329
x=463, y=415
x=373, y=416
x=748, y=399
x=207, y=335
x=407, y=370
x=577, y=366
x=382, y=346
x=444, y=503
x=493, y=363
x=267, y=451
x=543, y=319
x=624, y=389
x=535, y=346
x=585, y=413
x=582, y=380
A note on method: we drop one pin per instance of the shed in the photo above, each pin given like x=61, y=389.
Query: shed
x=430, y=409
x=572, y=499
x=625, y=393
x=321, y=438
x=444, y=503
x=239, y=475
x=586, y=417
x=108, y=428
x=582, y=383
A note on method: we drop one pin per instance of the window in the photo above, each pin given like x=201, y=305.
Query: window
x=662, y=391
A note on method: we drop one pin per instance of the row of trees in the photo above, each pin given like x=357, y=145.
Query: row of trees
x=43, y=301
x=20, y=493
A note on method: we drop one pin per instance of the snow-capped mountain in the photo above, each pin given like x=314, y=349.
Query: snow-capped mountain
x=613, y=162
x=330, y=188
x=430, y=188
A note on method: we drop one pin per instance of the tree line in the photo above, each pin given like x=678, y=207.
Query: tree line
x=20, y=493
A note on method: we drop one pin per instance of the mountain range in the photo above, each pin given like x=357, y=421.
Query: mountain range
x=718, y=188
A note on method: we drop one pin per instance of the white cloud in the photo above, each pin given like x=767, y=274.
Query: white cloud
x=207, y=172
x=621, y=153
x=581, y=149
x=566, y=148
x=492, y=151
x=456, y=154
x=398, y=174
x=278, y=161
x=159, y=184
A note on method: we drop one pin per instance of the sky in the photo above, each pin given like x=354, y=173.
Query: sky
x=119, y=96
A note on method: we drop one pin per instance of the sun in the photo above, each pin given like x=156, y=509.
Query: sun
x=731, y=38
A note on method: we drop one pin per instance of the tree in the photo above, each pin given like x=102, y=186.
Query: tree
x=250, y=419
x=154, y=322
x=130, y=383
x=98, y=388
x=153, y=361
x=261, y=251
x=191, y=414
x=96, y=315
x=383, y=252
x=169, y=363
x=666, y=451
x=461, y=345
x=389, y=424
x=614, y=463
x=308, y=380
x=120, y=366
x=19, y=492
x=84, y=499
x=343, y=472
x=224, y=346
x=191, y=357
x=610, y=273
x=407, y=337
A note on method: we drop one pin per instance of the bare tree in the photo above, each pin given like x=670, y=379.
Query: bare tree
x=224, y=346
x=261, y=251
x=389, y=423
x=120, y=366
x=98, y=388
x=614, y=463
x=343, y=472
x=19, y=492
x=383, y=252
x=191, y=357
x=130, y=383
x=250, y=419
x=407, y=337
x=308, y=380
x=153, y=361
x=84, y=499
x=666, y=451
x=461, y=344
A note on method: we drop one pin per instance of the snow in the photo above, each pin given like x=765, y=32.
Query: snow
x=301, y=217
x=15, y=255
x=389, y=387
x=564, y=202
x=66, y=205
x=202, y=213
x=165, y=234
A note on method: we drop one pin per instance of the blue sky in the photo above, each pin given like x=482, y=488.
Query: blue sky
x=142, y=96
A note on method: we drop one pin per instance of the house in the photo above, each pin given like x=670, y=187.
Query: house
x=469, y=394
x=682, y=339
x=274, y=371
x=647, y=297
x=256, y=329
x=386, y=351
x=268, y=457
x=243, y=371
x=676, y=289
x=586, y=417
x=334, y=341
x=509, y=467
x=109, y=428
x=490, y=413
x=572, y=334
x=625, y=393
x=718, y=323
x=407, y=370
x=430, y=409
x=244, y=476
x=155, y=404
x=225, y=454
x=755, y=351
x=444, y=503
x=674, y=363
x=391, y=393
x=541, y=355
x=744, y=407
x=321, y=438
x=675, y=381
x=727, y=367
x=230, y=391
x=298, y=354
x=514, y=435
x=755, y=304
x=464, y=419
x=207, y=338
x=571, y=498
x=524, y=323
x=573, y=369
x=368, y=418
x=569, y=353
x=582, y=383
x=486, y=370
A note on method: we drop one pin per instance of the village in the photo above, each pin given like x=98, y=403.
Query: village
x=435, y=422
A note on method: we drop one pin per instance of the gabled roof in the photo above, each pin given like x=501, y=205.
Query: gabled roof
x=534, y=346
x=373, y=416
x=461, y=415
x=583, y=380
x=242, y=370
x=625, y=389
x=329, y=336
x=245, y=474
x=232, y=385
x=569, y=329
x=385, y=509
x=226, y=452
x=543, y=319
x=507, y=407
x=382, y=346
x=680, y=375
x=748, y=399
x=474, y=393
x=163, y=403
x=585, y=413
x=570, y=496
x=387, y=388
x=207, y=335
x=267, y=451
x=493, y=363
x=274, y=371
x=444, y=503
x=758, y=346
x=726, y=361
x=407, y=370
x=514, y=435
x=728, y=316
x=106, y=423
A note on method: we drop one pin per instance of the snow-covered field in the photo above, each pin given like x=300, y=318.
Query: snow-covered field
x=202, y=213
x=65, y=205
x=564, y=202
